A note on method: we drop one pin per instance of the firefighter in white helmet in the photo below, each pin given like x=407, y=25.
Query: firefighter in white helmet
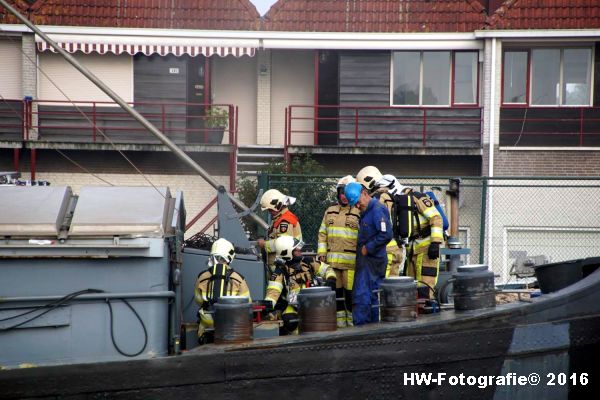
x=337, y=247
x=293, y=272
x=283, y=221
x=218, y=280
x=371, y=178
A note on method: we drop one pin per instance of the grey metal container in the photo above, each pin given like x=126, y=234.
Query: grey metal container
x=119, y=242
x=399, y=299
x=233, y=320
x=317, y=309
x=474, y=288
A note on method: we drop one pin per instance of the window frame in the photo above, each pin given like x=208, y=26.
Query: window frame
x=451, y=82
x=529, y=80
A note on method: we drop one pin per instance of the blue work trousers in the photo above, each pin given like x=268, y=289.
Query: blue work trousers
x=369, y=273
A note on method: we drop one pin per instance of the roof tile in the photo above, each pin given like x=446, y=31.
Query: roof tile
x=375, y=16
x=546, y=14
x=184, y=14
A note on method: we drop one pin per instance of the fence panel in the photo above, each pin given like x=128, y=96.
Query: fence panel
x=503, y=221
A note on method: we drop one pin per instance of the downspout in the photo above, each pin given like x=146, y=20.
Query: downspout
x=492, y=135
x=143, y=121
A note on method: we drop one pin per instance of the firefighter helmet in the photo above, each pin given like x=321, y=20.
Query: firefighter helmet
x=368, y=177
x=285, y=246
x=272, y=199
x=222, y=250
x=345, y=180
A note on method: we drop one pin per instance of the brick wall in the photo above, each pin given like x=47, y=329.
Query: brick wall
x=546, y=163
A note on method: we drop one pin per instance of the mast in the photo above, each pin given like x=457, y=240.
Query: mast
x=145, y=123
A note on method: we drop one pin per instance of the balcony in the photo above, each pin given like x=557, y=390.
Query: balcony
x=356, y=129
x=104, y=125
x=569, y=127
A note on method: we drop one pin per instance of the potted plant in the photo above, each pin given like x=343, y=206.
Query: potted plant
x=216, y=120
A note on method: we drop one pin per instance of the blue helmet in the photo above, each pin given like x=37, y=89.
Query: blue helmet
x=352, y=192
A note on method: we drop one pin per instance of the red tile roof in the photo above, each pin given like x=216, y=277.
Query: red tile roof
x=181, y=14
x=375, y=16
x=546, y=14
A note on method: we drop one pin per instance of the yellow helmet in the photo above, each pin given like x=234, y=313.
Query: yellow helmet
x=222, y=249
x=368, y=177
x=285, y=246
x=272, y=199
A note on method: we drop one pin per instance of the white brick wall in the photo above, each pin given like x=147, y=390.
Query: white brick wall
x=196, y=192
x=28, y=67
x=263, y=97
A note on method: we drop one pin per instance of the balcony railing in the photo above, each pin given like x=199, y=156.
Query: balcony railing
x=368, y=126
x=550, y=126
x=103, y=122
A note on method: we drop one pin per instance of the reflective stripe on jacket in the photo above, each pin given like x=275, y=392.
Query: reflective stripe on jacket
x=337, y=236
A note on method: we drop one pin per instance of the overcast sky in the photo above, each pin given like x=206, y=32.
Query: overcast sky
x=263, y=5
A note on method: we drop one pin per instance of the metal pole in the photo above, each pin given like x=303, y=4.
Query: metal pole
x=145, y=123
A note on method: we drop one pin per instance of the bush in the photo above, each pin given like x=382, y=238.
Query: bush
x=313, y=193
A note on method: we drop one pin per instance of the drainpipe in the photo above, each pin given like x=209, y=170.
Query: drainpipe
x=492, y=135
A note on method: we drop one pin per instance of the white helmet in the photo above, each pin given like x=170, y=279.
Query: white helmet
x=345, y=180
x=390, y=182
x=368, y=177
x=222, y=251
x=285, y=246
x=274, y=200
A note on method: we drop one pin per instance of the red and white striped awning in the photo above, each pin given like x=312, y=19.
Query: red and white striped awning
x=161, y=47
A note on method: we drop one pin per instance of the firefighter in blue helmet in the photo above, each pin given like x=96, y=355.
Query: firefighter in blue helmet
x=374, y=233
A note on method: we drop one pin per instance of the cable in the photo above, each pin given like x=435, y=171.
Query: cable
x=63, y=301
x=112, y=336
x=51, y=306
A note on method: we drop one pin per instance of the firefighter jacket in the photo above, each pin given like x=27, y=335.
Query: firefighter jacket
x=337, y=236
x=427, y=222
x=287, y=280
x=219, y=280
x=386, y=199
x=284, y=223
x=375, y=230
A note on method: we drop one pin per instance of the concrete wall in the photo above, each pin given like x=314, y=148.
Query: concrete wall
x=234, y=82
x=114, y=71
x=10, y=68
x=292, y=82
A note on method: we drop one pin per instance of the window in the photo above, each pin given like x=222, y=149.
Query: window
x=557, y=77
x=423, y=78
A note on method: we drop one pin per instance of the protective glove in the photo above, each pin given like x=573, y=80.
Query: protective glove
x=434, y=251
x=331, y=283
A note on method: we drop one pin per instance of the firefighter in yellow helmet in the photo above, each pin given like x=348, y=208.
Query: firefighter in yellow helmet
x=284, y=222
x=370, y=177
x=337, y=247
x=218, y=280
x=293, y=272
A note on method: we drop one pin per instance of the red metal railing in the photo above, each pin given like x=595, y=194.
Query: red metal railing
x=539, y=126
x=361, y=125
x=91, y=121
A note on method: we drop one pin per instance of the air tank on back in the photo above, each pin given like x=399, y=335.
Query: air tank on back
x=474, y=288
x=398, y=299
x=233, y=320
x=317, y=309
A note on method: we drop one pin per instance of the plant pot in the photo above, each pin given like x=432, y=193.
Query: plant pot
x=208, y=135
x=215, y=135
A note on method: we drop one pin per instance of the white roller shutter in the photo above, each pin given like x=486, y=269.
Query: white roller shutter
x=10, y=69
x=115, y=71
